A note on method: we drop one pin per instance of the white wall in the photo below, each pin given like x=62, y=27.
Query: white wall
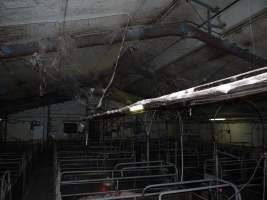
x=245, y=133
x=19, y=123
x=248, y=133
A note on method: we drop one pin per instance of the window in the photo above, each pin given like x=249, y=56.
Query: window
x=70, y=127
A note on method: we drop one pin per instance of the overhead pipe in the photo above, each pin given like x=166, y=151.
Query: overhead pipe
x=183, y=29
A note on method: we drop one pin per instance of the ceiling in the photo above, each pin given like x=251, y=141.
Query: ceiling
x=146, y=68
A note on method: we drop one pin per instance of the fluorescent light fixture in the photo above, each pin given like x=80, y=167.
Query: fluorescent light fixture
x=218, y=119
x=231, y=85
x=137, y=108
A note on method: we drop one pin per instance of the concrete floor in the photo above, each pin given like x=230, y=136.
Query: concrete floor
x=41, y=184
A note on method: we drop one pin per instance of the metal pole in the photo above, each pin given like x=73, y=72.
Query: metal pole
x=192, y=190
x=88, y=124
x=217, y=167
x=1, y=131
x=48, y=122
x=264, y=177
x=181, y=126
x=5, y=130
x=176, y=149
x=205, y=5
x=147, y=146
x=209, y=22
x=159, y=144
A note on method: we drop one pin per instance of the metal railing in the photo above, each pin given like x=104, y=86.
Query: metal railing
x=5, y=193
x=160, y=191
x=121, y=178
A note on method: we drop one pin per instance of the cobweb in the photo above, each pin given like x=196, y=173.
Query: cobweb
x=59, y=68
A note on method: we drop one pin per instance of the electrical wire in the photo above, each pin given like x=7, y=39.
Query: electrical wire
x=203, y=20
x=116, y=66
x=181, y=126
x=251, y=31
x=65, y=15
x=264, y=178
x=166, y=11
x=215, y=151
x=148, y=129
x=196, y=11
x=198, y=25
x=221, y=11
x=250, y=179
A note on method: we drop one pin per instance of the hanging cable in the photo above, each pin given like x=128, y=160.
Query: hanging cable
x=249, y=180
x=257, y=111
x=116, y=66
x=252, y=105
x=181, y=126
x=251, y=31
x=148, y=129
x=64, y=16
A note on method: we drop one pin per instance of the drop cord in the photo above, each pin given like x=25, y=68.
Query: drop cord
x=116, y=66
x=181, y=126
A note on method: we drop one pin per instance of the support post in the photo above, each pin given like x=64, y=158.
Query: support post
x=5, y=130
x=88, y=124
x=181, y=127
x=264, y=177
x=48, y=125
x=147, y=146
x=1, y=131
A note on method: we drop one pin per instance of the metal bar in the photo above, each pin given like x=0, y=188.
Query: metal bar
x=173, y=184
x=137, y=163
x=264, y=177
x=114, y=197
x=192, y=190
x=48, y=125
x=135, y=196
x=144, y=168
x=147, y=147
x=1, y=131
x=5, y=130
x=229, y=47
x=93, y=159
x=5, y=186
x=114, y=171
x=205, y=5
x=116, y=179
x=229, y=155
x=237, y=192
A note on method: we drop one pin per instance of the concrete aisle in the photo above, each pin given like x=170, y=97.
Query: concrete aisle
x=41, y=183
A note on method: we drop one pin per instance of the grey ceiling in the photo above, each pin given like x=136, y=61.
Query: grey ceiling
x=146, y=68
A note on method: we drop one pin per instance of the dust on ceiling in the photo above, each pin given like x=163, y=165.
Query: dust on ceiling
x=146, y=68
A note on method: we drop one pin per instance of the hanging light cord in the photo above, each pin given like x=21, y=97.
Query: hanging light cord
x=250, y=179
x=116, y=66
x=181, y=126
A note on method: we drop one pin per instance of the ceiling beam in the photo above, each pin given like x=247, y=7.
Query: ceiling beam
x=183, y=29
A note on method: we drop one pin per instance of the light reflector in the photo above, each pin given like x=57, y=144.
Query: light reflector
x=137, y=108
x=218, y=119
